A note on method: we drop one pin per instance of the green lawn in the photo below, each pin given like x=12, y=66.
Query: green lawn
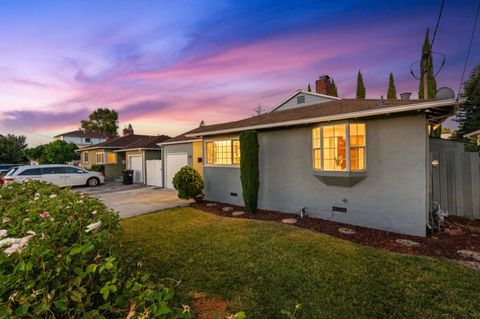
x=263, y=267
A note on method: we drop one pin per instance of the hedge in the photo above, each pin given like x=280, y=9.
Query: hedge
x=249, y=171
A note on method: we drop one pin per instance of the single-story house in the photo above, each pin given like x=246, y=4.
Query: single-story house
x=82, y=138
x=475, y=135
x=359, y=161
x=178, y=152
x=130, y=151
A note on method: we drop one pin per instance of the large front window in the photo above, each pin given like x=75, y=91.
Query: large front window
x=223, y=152
x=339, y=147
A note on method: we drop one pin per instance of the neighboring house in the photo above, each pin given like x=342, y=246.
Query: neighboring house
x=178, y=152
x=82, y=138
x=474, y=136
x=362, y=162
x=129, y=151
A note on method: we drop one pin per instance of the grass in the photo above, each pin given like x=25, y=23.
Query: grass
x=263, y=267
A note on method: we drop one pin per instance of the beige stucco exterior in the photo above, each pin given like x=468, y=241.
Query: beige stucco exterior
x=198, y=154
x=112, y=171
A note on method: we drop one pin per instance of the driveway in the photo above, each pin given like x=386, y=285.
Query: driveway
x=133, y=200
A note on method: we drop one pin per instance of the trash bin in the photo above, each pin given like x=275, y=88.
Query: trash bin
x=127, y=176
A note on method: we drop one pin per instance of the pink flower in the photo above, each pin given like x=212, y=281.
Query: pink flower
x=6, y=220
x=44, y=214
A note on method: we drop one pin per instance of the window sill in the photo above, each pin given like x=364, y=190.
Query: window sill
x=344, y=179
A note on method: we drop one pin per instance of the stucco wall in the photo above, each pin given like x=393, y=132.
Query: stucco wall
x=391, y=197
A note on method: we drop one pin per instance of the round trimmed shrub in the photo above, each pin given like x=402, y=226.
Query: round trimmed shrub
x=189, y=184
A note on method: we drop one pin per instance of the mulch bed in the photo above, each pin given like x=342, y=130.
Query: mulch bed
x=457, y=233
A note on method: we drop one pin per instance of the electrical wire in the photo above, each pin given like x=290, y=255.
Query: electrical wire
x=468, y=50
x=438, y=23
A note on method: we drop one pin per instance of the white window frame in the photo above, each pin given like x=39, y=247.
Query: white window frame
x=83, y=157
x=347, y=132
x=205, y=155
x=103, y=157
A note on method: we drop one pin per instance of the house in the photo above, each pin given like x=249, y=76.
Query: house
x=178, y=152
x=474, y=136
x=362, y=162
x=130, y=151
x=82, y=138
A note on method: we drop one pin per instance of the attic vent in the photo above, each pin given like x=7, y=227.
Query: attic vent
x=300, y=99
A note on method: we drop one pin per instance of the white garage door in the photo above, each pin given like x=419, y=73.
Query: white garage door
x=174, y=162
x=135, y=164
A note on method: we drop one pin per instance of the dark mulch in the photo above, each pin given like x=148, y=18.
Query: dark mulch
x=457, y=233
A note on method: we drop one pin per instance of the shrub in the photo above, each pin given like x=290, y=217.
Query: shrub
x=59, y=258
x=249, y=172
x=188, y=183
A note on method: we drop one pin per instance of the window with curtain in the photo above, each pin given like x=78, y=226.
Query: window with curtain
x=339, y=147
x=223, y=152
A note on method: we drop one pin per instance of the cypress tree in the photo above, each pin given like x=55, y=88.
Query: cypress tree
x=361, y=92
x=426, y=66
x=309, y=89
x=249, y=170
x=392, y=91
x=334, y=89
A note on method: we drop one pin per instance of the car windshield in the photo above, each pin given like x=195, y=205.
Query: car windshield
x=12, y=171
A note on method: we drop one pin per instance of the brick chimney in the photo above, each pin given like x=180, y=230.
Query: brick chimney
x=127, y=130
x=323, y=85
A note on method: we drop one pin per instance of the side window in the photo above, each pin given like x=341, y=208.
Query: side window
x=31, y=172
x=54, y=170
x=73, y=170
x=87, y=140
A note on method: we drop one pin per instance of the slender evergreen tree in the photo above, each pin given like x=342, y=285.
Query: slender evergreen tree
x=392, y=91
x=309, y=89
x=426, y=69
x=361, y=92
x=334, y=89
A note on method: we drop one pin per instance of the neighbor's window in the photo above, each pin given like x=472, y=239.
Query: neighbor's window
x=111, y=158
x=223, y=152
x=85, y=157
x=87, y=140
x=339, y=147
x=100, y=157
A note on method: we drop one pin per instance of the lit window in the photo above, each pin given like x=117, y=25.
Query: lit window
x=223, y=152
x=111, y=158
x=339, y=147
x=85, y=157
x=100, y=157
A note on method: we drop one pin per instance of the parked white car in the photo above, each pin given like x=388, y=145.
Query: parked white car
x=61, y=175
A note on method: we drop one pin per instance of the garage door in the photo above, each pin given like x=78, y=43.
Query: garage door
x=135, y=164
x=174, y=162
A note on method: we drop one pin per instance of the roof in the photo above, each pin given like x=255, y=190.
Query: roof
x=304, y=92
x=472, y=134
x=148, y=143
x=180, y=139
x=80, y=133
x=328, y=111
x=133, y=141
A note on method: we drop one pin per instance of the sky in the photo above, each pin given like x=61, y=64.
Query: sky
x=167, y=65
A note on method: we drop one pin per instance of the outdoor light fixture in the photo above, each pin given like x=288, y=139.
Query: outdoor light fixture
x=435, y=163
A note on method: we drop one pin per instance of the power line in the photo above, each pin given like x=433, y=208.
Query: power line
x=438, y=23
x=468, y=50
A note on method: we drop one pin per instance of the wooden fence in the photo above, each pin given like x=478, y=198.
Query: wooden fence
x=455, y=182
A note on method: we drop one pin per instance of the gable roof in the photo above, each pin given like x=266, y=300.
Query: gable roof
x=333, y=98
x=147, y=143
x=180, y=139
x=126, y=142
x=81, y=133
x=327, y=111
x=472, y=134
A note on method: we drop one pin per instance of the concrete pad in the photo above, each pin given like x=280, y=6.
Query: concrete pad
x=134, y=202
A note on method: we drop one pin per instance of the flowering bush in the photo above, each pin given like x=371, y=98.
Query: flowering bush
x=59, y=259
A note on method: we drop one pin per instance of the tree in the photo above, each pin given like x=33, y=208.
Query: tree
x=426, y=69
x=309, y=89
x=102, y=120
x=56, y=152
x=361, y=92
x=12, y=148
x=392, y=91
x=249, y=170
x=468, y=115
x=334, y=89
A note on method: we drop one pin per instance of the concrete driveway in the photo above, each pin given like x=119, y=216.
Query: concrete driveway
x=135, y=200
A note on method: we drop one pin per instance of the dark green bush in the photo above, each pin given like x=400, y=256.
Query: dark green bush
x=249, y=171
x=189, y=184
x=60, y=258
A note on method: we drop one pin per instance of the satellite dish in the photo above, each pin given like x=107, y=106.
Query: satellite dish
x=444, y=93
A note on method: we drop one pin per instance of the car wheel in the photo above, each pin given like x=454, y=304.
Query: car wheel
x=93, y=182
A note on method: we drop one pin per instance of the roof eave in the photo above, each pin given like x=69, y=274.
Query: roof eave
x=342, y=116
x=179, y=142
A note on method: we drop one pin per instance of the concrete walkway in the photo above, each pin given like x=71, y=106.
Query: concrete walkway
x=133, y=202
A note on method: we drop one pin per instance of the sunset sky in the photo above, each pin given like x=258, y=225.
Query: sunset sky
x=167, y=65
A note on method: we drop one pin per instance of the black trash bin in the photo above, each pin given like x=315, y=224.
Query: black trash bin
x=127, y=176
